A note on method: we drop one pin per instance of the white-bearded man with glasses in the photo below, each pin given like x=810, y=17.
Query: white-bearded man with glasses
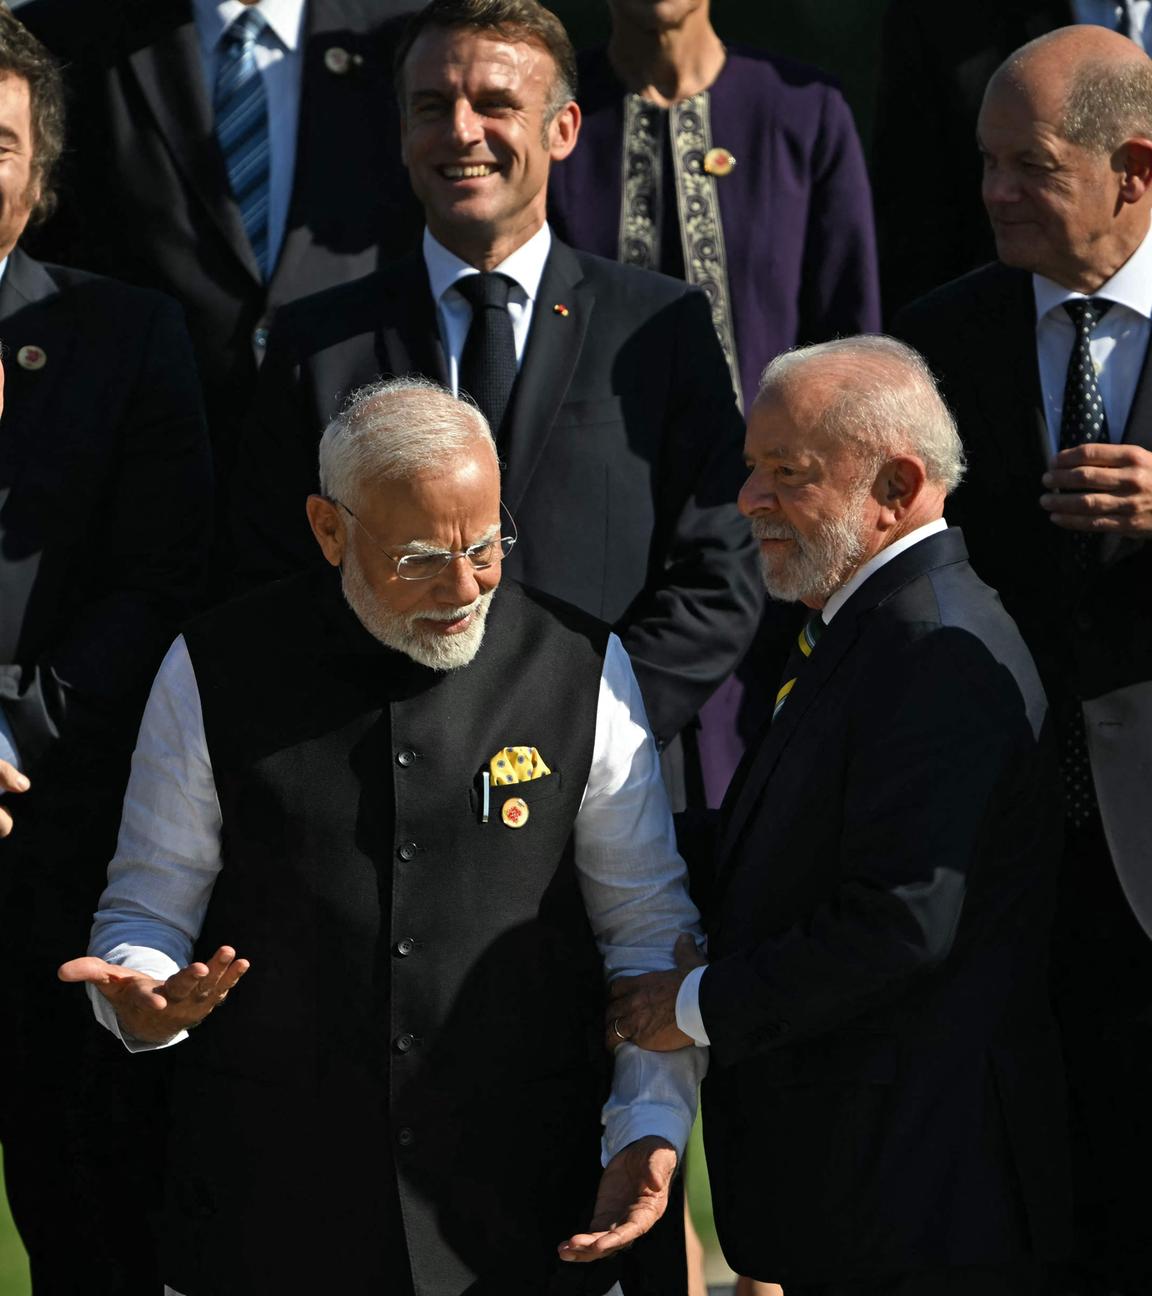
x=431, y=817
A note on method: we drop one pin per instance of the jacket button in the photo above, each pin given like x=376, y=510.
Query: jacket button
x=405, y=758
x=405, y=1136
x=407, y=851
x=403, y=1043
x=260, y=338
x=404, y=947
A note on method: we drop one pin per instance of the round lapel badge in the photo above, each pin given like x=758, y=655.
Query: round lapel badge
x=337, y=60
x=31, y=357
x=514, y=812
x=719, y=162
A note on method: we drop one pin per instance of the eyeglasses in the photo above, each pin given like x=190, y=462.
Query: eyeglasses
x=423, y=566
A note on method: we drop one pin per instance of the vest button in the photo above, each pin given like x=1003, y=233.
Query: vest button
x=405, y=1136
x=404, y=1042
x=407, y=851
x=404, y=947
x=405, y=758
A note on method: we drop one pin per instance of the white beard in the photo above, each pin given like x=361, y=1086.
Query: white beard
x=818, y=565
x=404, y=632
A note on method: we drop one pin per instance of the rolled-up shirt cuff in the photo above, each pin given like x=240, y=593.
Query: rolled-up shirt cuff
x=688, y=1016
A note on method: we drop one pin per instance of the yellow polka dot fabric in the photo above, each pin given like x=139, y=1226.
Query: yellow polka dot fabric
x=517, y=765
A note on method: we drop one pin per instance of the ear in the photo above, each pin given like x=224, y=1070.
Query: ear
x=898, y=486
x=563, y=131
x=327, y=523
x=1135, y=165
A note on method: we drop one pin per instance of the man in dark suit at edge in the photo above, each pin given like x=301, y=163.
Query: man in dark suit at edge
x=1044, y=357
x=605, y=386
x=936, y=61
x=884, y=1114
x=149, y=189
x=105, y=503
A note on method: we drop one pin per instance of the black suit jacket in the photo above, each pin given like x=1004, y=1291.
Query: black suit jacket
x=105, y=500
x=145, y=193
x=623, y=455
x=936, y=62
x=885, y=1092
x=1088, y=637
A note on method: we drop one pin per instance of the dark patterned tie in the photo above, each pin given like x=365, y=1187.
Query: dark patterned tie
x=488, y=364
x=242, y=128
x=810, y=632
x=1083, y=421
x=1124, y=19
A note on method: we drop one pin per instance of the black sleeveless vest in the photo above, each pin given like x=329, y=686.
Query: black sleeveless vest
x=412, y=1070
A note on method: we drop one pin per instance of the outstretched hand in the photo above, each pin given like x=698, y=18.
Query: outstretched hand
x=642, y=1009
x=11, y=780
x=155, y=1011
x=633, y=1195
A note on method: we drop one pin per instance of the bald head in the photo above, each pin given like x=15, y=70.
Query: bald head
x=1066, y=135
x=1093, y=84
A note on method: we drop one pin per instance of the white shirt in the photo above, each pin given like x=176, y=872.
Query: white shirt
x=688, y=1015
x=280, y=59
x=1106, y=13
x=525, y=267
x=1118, y=346
x=632, y=880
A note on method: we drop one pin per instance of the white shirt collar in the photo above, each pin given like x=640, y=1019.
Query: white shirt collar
x=285, y=18
x=525, y=266
x=1130, y=286
x=873, y=565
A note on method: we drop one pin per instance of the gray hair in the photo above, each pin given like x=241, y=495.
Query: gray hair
x=395, y=430
x=887, y=402
x=1108, y=103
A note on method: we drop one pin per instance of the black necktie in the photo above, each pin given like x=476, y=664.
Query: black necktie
x=1124, y=19
x=1083, y=418
x=488, y=364
x=1083, y=421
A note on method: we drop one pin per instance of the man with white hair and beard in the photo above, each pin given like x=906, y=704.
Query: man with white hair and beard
x=431, y=817
x=884, y=1109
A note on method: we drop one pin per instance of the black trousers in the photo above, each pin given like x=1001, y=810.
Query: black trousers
x=1010, y=1280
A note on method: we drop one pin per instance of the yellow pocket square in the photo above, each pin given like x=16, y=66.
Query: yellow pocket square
x=517, y=765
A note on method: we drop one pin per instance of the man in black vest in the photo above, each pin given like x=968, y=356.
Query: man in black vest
x=434, y=818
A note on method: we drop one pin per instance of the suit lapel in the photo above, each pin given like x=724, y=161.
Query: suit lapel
x=408, y=340
x=837, y=640
x=29, y=317
x=165, y=60
x=750, y=783
x=555, y=341
x=1005, y=372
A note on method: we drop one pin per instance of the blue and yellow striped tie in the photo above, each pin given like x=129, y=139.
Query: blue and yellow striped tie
x=242, y=128
x=802, y=650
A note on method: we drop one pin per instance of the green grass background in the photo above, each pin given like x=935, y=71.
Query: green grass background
x=14, y=1279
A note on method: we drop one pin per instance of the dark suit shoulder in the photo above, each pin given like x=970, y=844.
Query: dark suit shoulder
x=345, y=310
x=630, y=284
x=106, y=293
x=974, y=291
x=546, y=607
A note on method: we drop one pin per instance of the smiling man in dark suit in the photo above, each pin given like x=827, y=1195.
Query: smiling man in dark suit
x=105, y=503
x=151, y=194
x=884, y=1111
x=1044, y=357
x=606, y=386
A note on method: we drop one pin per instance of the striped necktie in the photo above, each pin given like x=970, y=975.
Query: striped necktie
x=242, y=128
x=801, y=651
